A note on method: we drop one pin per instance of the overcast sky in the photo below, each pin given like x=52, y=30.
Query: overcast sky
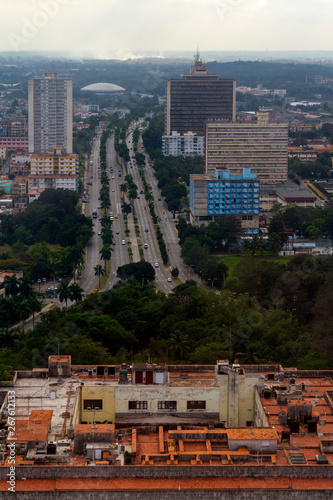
x=115, y=28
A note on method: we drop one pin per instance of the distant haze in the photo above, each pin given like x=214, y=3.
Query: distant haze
x=124, y=28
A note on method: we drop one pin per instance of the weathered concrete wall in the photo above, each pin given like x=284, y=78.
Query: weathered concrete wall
x=260, y=418
x=291, y=471
x=154, y=393
x=174, y=495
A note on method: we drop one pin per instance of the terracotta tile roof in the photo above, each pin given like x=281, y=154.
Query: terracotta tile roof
x=252, y=433
x=98, y=429
x=34, y=429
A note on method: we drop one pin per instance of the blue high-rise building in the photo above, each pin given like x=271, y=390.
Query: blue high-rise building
x=212, y=196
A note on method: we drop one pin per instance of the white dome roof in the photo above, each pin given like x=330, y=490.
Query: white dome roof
x=103, y=87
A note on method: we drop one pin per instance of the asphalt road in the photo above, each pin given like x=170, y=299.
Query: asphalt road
x=119, y=255
x=88, y=281
x=167, y=224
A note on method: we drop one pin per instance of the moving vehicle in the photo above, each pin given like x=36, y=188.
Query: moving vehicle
x=145, y=245
x=123, y=242
x=146, y=229
x=156, y=264
x=169, y=280
x=94, y=213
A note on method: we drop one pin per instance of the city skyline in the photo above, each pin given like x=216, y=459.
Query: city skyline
x=108, y=31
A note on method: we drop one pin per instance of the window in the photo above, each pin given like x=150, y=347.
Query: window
x=92, y=404
x=167, y=405
x=196, y=405
x=137, y=405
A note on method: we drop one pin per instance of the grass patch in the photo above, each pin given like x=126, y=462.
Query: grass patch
x=176, y=281
x=232, y=261
x=103, y=281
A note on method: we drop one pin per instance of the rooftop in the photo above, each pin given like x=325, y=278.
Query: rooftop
x=295, y=430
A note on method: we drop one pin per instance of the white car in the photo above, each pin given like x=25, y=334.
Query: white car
x=123, y=242
x=113, y=177
x=169, y=280
x=156, y=264
x=99, y=233
x=113, y=190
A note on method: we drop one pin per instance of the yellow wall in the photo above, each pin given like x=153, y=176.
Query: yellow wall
x=107, y=394
x=234, y=398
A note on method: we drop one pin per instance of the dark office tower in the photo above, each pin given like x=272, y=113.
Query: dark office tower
x=50, y=114
x=197, y=97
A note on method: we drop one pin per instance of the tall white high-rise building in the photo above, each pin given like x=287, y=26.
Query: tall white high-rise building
x=50, y=120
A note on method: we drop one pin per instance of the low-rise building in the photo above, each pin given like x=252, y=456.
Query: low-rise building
x=234, y=430
x=55, y=181
x=17, y=144
x=6, y=184
x=20, y=185
x=285, y=194
x=34, y=193
x=57, y=162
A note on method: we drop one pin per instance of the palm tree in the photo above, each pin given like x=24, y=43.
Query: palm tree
x=99, y=271
x=106, y=236
x=123, y=187
x=245, y=245
x=7, y=312
x=105, y=253
x=75, y=292
x=178, y=345
x=76, y=256
x=274, y=243
x=261, y=245
x=64, y=292
x=126, y=208
x=25, y=288
x=24, y=311
x=35, y=306
x=11, y=285
x=255, y=245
